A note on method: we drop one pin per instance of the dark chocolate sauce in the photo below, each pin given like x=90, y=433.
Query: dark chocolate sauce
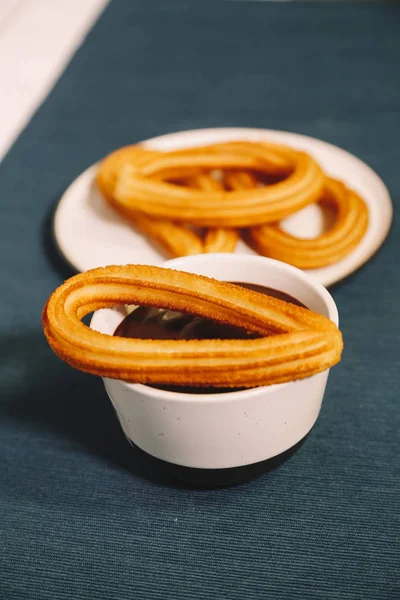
x=159, y=324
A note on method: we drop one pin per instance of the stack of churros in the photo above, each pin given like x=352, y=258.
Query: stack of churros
x=203, y=199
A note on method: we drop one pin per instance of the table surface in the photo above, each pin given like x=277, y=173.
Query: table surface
x=79, y=520
x=37, y=39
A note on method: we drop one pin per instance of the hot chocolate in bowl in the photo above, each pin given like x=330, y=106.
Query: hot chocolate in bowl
x=218, y=437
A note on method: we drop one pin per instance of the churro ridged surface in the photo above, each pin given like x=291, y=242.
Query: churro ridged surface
x=295, y=342
x=204, y=199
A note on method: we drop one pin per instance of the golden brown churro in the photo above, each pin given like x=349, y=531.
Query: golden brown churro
x=220, y=239
x=303, y=343
x=349, y=228
x=216, y=239
x=350, y=225
x=110, y=166
x=168, y=196
x=176, y=240
x=139, y=188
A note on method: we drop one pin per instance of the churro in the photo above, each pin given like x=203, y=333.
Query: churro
x=295, y=343
x=173, y=238
x=216, y=239
x=196, y=200
x=139, y=187
x=351, y=222
x=348, y=229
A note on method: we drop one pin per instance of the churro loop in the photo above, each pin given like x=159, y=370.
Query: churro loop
x=274, y=159
x=304, y=343
x=330, y=247
x=139, y=187
x=110, y=166
x=169, y=195
x=349, y=228
x=174, y=239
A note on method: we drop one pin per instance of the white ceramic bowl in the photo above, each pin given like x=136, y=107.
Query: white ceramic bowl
x=217, y=431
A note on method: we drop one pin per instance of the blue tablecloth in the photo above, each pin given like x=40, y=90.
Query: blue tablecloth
x=75, y=522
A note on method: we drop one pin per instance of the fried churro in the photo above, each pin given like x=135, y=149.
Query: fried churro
x=139, y=188
x=351, y=222
x=295, y=343
x=348, y=229
x=197, y=200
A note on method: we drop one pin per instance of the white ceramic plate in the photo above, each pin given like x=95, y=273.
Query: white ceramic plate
x=90, y=234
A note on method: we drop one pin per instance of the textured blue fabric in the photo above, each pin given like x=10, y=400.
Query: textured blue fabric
x=75, y=522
